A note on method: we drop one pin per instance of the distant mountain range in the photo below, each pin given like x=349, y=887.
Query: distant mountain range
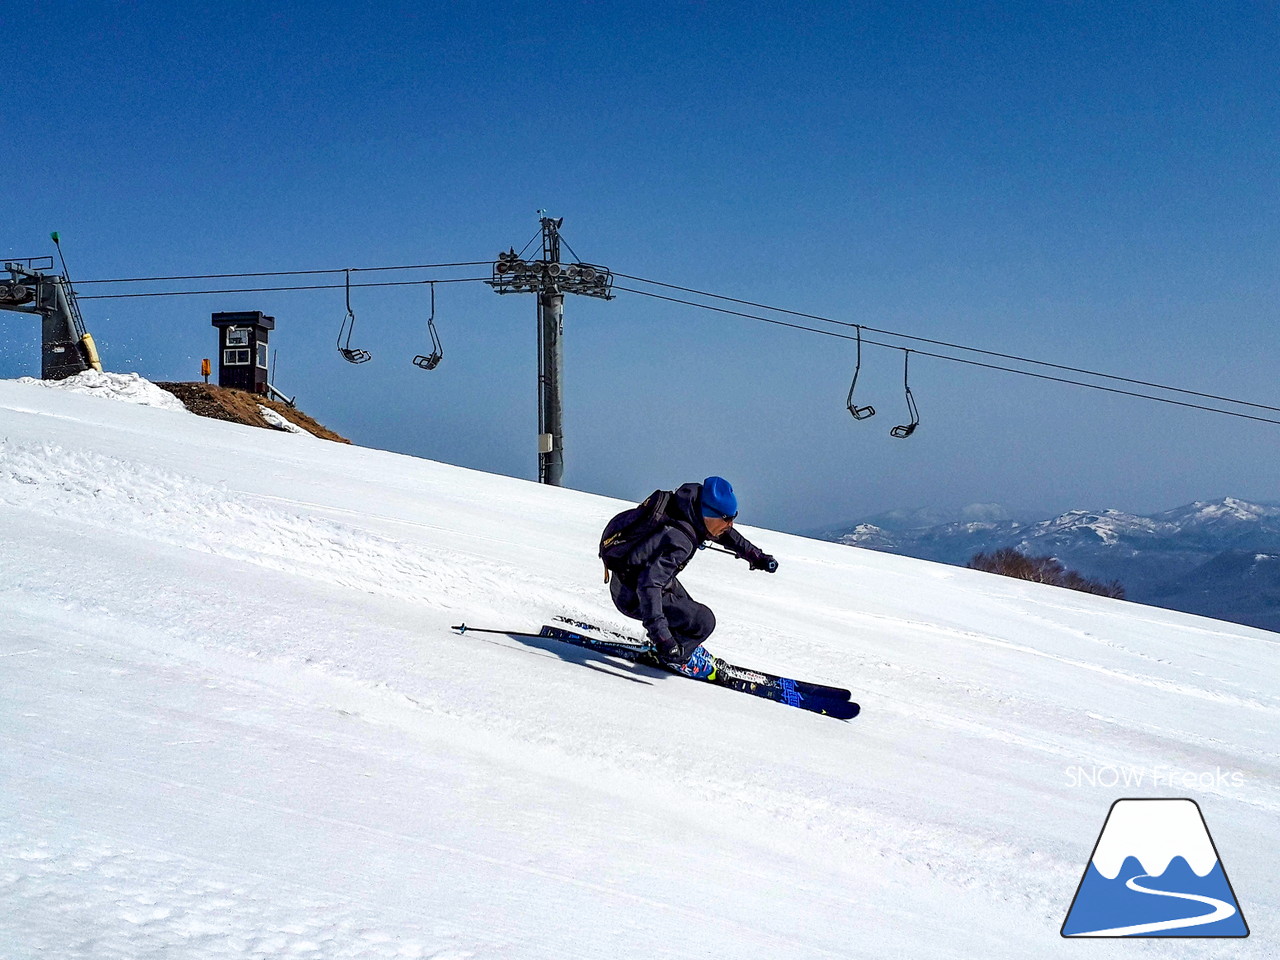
x=1216, y=558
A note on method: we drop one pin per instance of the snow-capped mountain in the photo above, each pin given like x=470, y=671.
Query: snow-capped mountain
x=1218, y=558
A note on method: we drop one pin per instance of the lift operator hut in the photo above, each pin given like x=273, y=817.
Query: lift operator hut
x=242, y=354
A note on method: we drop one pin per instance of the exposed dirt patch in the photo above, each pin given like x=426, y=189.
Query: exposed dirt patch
x=240, y=406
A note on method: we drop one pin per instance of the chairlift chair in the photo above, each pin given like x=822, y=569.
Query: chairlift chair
x=348, y=327
x=859, y=413
x=904, y=430
x=431, y=360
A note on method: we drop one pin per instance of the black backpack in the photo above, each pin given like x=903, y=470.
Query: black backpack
x=630, y=528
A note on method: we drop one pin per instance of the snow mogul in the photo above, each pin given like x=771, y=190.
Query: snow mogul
x=646, y=547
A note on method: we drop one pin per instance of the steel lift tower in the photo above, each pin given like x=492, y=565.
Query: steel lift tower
x=66, y=346
x=550, y=280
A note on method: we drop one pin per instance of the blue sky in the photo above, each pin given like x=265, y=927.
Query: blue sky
x=1086, y=183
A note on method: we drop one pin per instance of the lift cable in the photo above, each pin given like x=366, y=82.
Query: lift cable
x=293, y=273
x=703, y=306
x=657, y=283
x=972, y=363
x=320, y=286
x=943, y=343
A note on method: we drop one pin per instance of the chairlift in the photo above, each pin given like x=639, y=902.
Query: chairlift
x=348, y=327
x=432, y=360
x=859, y=413
x=904, y=430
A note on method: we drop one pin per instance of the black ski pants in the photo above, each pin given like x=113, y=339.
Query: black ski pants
x=690, y=622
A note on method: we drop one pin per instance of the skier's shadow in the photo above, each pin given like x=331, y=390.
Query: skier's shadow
x=591, y=659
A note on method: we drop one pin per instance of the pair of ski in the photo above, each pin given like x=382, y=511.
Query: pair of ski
x=815, y=697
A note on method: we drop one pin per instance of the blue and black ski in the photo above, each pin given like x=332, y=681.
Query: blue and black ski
x=795, y=693
x=815, y=697
x=723, y=666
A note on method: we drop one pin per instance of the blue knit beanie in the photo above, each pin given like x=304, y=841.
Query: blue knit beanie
x=718, y=499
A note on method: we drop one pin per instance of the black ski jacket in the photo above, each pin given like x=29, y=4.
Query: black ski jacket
x=655, y=561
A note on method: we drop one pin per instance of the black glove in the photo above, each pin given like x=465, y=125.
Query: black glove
x=663, y=643
x=762, y=561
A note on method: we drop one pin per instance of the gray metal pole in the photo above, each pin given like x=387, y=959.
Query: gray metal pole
x=550, y=280
x=61, y=335
x=550, y=360
x=550, y=399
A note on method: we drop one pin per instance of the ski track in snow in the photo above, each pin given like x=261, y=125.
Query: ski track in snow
x=170, y=508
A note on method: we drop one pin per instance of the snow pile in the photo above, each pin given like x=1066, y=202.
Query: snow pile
x=280, y=422
x=129, y=387
x=235, y=722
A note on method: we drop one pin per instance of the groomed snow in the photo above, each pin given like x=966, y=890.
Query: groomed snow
x=235, y=723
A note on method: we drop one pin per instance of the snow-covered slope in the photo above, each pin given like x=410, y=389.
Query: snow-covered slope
x=235, y=723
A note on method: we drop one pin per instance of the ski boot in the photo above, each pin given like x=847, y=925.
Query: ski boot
x=700, y=664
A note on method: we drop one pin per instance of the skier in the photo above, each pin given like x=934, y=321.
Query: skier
x=647, y=546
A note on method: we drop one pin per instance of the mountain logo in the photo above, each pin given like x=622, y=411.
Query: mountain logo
x=1154, y=873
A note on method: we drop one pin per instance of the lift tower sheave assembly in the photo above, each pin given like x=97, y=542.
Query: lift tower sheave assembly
x=66, y=346
x=550, y=280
